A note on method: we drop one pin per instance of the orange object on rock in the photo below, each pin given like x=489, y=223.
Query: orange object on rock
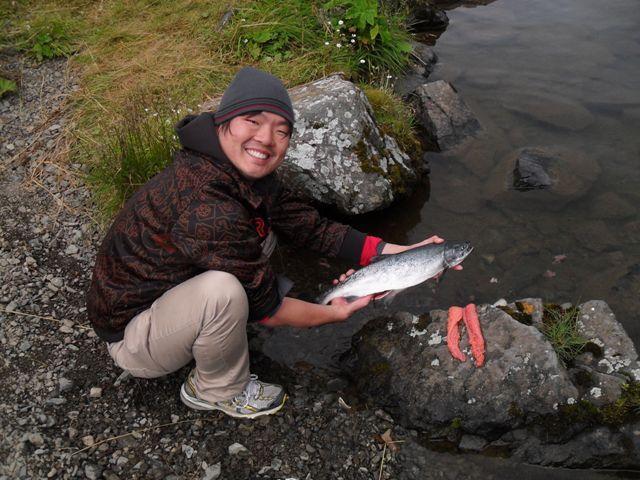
x=456, y=315
x=476, y=339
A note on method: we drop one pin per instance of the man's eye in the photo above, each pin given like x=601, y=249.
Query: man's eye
x=283, y=134
x=250, y=120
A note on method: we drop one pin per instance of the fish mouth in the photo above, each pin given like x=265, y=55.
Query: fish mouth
x=457, y=253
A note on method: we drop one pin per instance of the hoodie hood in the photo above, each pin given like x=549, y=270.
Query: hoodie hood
x=198, y=133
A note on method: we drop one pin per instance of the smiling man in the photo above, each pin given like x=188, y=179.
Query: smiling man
x=186, y=263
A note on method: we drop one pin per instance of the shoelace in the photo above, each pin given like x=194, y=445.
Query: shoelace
x=251, y=390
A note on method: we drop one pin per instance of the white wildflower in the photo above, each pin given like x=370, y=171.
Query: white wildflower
x=353, y=35
x=245, y=40
x=571, y=401
x=363, y=61
x=338, y=45
x=340, y=22
x=353, y=41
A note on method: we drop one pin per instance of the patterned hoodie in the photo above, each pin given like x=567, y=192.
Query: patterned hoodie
x=201, y=214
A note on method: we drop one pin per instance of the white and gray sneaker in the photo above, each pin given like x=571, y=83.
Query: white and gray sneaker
x=257, y=399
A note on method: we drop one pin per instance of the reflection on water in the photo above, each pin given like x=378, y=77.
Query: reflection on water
x=564, y=74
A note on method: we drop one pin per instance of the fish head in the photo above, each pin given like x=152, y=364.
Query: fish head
x=455, y=253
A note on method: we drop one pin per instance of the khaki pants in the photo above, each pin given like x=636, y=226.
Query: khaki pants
x=204, y=319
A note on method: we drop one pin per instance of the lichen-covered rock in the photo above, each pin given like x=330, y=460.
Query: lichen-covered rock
x=523, y=400
x=443, y=114
x=407, y=367
x=338, y=156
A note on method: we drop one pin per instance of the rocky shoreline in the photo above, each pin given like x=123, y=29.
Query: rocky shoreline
x=65, y=410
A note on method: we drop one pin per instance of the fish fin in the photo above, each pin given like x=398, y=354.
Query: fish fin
x=390, y=295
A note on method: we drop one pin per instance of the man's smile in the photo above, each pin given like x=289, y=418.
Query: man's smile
x=260, y=155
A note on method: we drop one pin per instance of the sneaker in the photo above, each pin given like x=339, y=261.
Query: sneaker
x=257, y=399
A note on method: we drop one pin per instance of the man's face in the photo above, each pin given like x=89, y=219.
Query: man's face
x=256, y=143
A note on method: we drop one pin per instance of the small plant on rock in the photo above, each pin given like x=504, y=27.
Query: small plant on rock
x=7, y=87
x=561, y=329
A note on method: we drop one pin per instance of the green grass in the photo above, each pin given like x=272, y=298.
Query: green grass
x=175, y=54
x=7, y=87
x=561, y=329
x=136, y=148
x=394, y=118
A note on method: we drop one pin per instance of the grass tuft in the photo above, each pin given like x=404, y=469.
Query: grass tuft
x=136, y=148
x=561, y=329
x=394, y=118
x=7, y=87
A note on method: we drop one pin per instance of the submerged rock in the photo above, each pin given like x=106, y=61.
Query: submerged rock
x=524, y=399
x=443, y=114
x=550, y=175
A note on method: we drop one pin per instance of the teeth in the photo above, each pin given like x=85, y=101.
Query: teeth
x=257, y=154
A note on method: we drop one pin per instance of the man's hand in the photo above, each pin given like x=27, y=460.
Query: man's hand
x=346, y=308
x=391, y=248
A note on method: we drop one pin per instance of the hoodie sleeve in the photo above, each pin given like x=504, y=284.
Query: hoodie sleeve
x=303, y=226
x=215, y=233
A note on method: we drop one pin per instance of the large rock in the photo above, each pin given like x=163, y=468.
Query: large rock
x=338, y=155
x=548, y=175
x=523, y=400
x=444, y=115
x=404, y=362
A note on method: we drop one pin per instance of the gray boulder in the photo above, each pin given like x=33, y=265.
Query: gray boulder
x=523, y=399
x=444, y=115
x=338, y=156
x=407, y=367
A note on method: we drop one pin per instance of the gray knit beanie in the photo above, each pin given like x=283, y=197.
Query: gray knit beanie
x=253, y=90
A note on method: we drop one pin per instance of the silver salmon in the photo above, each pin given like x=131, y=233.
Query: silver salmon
x=394, y=273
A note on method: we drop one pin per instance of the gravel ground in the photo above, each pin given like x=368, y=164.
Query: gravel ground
x=63, y=411
x=66, y=411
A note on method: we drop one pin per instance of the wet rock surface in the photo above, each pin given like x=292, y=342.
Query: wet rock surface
x=443, y=114
x=520, y=400
x=549, y=175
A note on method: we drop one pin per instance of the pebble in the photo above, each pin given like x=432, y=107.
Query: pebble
x=92, y=471
x=95, y=392
x=65, y=384
x=88, y=440
x=237, y=448
x=212, y=472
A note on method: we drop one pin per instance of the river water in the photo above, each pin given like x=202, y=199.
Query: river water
x=562, y=74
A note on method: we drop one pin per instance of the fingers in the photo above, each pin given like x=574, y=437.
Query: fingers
x=458, y=267
x=344, y=276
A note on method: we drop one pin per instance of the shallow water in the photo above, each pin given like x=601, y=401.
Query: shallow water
x=537, y=73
